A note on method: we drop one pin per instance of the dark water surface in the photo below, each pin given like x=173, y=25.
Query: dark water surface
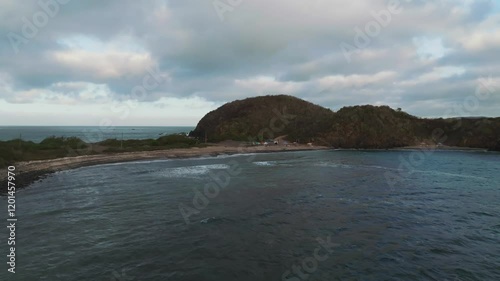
x=439, y=220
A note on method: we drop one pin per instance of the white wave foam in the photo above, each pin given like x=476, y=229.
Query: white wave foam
x=190, y=171
x=333, y=165
x=265, y=163
x=347, y=166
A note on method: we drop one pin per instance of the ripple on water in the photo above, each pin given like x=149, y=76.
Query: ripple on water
x=189, y=171
x=87, y=223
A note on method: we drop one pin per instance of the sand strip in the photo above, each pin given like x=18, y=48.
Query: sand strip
x=31, y=171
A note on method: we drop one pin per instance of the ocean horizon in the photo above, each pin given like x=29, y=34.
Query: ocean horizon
x=89, y=134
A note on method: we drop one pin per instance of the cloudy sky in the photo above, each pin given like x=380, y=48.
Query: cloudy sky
x=130, y=62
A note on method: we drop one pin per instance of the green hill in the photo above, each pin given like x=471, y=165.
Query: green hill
x=372, y=127
x=263, y=118
x=364, y=126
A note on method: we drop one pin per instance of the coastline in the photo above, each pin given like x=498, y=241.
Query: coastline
x=32, y=171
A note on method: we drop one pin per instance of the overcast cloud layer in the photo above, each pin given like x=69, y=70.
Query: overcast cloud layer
x=132, y=62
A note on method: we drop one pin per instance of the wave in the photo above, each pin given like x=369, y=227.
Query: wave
x=333, y=165
x=265, y=163
x=190, y=171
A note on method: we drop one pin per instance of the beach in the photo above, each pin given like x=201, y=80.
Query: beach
x=31, y=171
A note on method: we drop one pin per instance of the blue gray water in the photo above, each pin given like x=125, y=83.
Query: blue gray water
x=87, y=133
x=381, y=215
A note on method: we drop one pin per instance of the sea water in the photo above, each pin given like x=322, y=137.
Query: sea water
x=321, y=215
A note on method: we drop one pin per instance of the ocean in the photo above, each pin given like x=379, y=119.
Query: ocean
x=317, y=215
x=87, y=133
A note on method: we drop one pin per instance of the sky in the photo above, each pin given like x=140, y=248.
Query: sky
x=167, y=63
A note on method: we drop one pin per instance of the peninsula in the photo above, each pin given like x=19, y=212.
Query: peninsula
x=259, y=124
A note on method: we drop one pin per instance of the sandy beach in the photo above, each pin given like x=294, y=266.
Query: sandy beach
x=30, y=171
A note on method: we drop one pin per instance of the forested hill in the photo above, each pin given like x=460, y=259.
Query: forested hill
x=366, y=126
x=264, y=117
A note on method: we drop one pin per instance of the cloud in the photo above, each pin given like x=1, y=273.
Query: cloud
x=94, y=54
x=355, y=81
x=481, y=41
x=101, y=65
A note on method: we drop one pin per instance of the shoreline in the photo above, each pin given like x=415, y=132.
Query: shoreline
x=32, y=171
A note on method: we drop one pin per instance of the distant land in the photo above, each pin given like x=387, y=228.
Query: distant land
x=254, y=125
x=286, y=120
x=364, y=127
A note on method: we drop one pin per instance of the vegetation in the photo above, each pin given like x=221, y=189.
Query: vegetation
x=165, y=142
x=57, y=147
x=351, y=127
x=259, y=118
x=371, y=127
